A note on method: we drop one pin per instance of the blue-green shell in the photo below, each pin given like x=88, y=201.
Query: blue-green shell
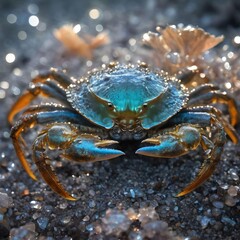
x=127, y=88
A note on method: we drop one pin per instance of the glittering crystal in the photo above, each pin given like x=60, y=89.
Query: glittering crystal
x=153, y=227
x=233, y=174
x=36, y=205
x=89, y=228
x=115, y=222
x=147, y=213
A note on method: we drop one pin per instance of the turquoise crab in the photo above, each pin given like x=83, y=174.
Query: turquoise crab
x=117, y=103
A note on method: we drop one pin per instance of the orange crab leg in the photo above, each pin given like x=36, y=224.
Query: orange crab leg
x=45, y=169
x=57, y=75
x=209, y=163
x=48, y=89
x=217, y=97
x=30, y=121
x=206, y=171
x=23, y=101
x=62, y=82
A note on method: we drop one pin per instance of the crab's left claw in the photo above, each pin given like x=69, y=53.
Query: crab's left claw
x=182, y=140
x=75, y=147
x=85, y=150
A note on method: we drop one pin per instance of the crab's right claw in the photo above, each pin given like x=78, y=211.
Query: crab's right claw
x=80, y=150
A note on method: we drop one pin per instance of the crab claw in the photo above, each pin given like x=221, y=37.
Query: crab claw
x=167, y=148
x=85, y=150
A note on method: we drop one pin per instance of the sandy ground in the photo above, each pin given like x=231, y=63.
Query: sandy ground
x=130, y=197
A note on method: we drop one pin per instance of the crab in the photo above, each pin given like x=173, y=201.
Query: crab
x=118, y=103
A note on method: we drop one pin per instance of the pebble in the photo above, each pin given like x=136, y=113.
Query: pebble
x=24, y=232
x=89, y=227
x=42, y=222
x=86, y=218
x=218, y=204
x=66, y=220
x=233, y=174
x=5, y=200
x=204, y=221
x=230, y=201
x=63, y=205
x=92, y=204
x=233, y=191
x=228, y=221
x=134, y=193
x=4, y=225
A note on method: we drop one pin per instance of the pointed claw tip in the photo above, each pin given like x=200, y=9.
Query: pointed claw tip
x=138, y=152
x=147, y=151
x=71, y=198
x=106, y=154
x=151, y=140
x=120, y=153
x=31, y=174
x=34, y=178
x=181, y=194
x=141, y=152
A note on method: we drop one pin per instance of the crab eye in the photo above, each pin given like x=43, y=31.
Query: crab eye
x=110, y=105
x=144, y=108
x=145, y=105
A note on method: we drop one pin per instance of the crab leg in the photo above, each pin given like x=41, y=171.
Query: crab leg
x=75, y=146
x=46, y=89
x=173, y=142
x=57, y=75
x=217, y=97
x=231, y=132
x=205, y=88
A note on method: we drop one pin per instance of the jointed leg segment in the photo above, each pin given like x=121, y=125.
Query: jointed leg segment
x=211, y=97
x=50, y=84
x=74, y=145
